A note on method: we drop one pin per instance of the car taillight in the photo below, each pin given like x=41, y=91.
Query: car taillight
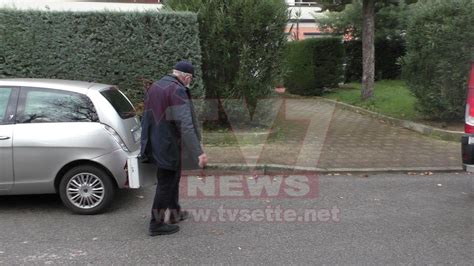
x=469, y=125
x=117, y=138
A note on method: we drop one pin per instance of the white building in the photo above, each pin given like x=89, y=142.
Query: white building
x=73, y=5
x=302, y=24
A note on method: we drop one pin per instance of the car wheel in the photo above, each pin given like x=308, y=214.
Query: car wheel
x=86, y=190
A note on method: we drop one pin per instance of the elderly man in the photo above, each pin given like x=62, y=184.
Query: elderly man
x=169, y=134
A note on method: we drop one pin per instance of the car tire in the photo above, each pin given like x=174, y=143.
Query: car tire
x=86, y=190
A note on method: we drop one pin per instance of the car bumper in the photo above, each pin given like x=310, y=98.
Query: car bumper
x=467, y=150
x=136, y=175
x=116, y=162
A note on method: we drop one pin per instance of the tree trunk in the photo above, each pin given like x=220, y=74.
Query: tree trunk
x=368, y=50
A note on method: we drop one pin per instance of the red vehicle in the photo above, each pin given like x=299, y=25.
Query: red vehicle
x=468, y=138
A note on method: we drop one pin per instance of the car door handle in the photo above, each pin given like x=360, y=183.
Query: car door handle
x=4, y=138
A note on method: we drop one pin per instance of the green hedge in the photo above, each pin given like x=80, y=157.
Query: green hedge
x=440, y=47
x=387, y=55
x=314, y=65
x=117, y=48
x=242, y=46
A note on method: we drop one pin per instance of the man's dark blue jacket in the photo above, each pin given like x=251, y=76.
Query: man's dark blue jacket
x=170, y=136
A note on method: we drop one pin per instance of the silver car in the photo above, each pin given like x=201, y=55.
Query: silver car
x=67, y=137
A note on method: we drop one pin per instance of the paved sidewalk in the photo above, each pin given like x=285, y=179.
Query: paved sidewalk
x=338, y=139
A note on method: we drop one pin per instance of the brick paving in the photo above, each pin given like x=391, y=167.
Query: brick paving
x=334, y=138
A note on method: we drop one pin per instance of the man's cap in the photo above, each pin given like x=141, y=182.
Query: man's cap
x=185, y=66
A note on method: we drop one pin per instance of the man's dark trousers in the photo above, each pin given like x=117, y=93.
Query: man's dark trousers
x=166, y=196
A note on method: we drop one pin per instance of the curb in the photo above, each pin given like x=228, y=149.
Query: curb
x=417, y=127
x=269, y=168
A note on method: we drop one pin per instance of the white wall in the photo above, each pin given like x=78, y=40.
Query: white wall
x=63, y=5
x=307, y=12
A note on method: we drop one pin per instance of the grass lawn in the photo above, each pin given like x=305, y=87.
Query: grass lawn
x=391, y=98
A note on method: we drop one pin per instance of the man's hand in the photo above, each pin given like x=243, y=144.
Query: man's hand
x=202, y=160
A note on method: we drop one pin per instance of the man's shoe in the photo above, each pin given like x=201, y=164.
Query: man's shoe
x=163, y=229
x=183, y=215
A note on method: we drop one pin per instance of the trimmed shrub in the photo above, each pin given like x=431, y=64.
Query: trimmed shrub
x=242, y=46
x=300, y=76
x=119, y=48
x=353, y=60
x=314, y=65
x=387, y=56
x=440, y=47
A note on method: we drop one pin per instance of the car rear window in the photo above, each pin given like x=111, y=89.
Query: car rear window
x=55, y=106
x=120, y=103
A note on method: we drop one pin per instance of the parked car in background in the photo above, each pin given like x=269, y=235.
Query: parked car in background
x=467, y=139
x=67, y=137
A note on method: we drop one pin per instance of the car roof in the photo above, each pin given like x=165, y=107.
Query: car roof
x=58, y=84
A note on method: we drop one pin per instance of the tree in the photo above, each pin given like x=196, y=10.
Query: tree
x=390, y=20
x=368, y=49
x=440, y=49
x=242, y=46
x=295, y=35
x=368, y=34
